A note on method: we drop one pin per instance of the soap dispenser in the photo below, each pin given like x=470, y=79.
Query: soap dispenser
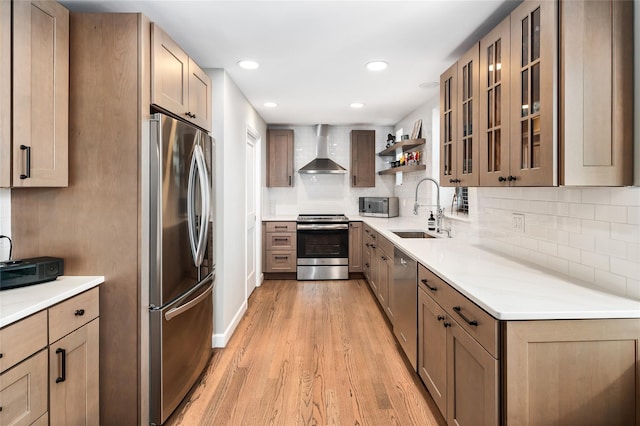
x=431, y=222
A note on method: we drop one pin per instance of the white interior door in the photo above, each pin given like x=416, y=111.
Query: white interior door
x=250, y=203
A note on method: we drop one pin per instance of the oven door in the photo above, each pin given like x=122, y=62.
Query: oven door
x=322, y=241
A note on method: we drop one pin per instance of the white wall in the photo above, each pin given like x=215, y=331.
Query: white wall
x=330, y=193
x=232, y=113
x=5, y=222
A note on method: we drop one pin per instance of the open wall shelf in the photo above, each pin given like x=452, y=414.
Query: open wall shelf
x=403, y=146
x=394, y=170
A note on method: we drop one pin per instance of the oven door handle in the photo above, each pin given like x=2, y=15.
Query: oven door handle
x=322, y=227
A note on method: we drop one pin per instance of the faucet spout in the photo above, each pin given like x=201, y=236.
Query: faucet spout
x=439, y=211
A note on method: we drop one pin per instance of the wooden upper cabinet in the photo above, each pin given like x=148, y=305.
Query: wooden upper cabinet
x=596, y=73
x=495, y=52
x=5, y=94
x=534, y=148
x=280, y=158
x=448, y=127
x=178, y=84
x=363, y=158
x=468, y=170
x=40, y=109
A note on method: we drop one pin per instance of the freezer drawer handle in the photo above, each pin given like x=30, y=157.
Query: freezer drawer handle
x=458, y=310
x=172, y=313
x=63, y=363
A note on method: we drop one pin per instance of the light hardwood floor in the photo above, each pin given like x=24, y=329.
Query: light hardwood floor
x=309, y=353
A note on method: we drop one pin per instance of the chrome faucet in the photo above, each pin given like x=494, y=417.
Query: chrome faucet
x=439, y=212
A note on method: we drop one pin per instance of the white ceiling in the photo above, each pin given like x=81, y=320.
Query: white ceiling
x=312, y=54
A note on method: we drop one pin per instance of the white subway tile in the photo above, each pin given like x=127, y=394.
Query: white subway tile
x=595, y=227
x=530, y=193
x=613, y=283
x=598, y=261
x=548, y=248
x=633, y=215
x=541, y=207
x=536, y=231
x=559, y=209
x=521, y=206
x=611, y=213
x=625, y=232
x=569, y=253
x=633, y=288
x=529, y=243
x=629, y=196
x=625, y=267
x=558, y=265
x=538, y=258
x=595, y=195
x=633, y=252
x=611, y=247
x=582, y=211
x=571, y=195
x=570, y=224
x=548, y=194
x=558, y=236
x=581, y=272
x=582, y=241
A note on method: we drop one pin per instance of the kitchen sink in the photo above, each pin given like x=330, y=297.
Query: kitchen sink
x=413, y=234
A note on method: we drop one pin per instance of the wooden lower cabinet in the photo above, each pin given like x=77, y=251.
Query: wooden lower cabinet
x=279, y=247
x=73, y=382
x=385, y=283
x=355, y=247
x=23, y=391
x=461, y=376
x=572, y=372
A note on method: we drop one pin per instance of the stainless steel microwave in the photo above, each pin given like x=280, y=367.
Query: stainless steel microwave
x=378, y=206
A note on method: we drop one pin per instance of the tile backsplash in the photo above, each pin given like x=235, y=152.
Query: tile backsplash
x=5, y=222
x=330, y=193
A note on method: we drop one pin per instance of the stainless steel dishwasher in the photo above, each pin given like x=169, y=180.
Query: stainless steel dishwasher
x=405, y=304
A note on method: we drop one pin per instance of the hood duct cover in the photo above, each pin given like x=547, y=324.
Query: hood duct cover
x=322, y=164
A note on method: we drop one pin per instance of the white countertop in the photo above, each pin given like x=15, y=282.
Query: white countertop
x=19, y=303
x=506, y=288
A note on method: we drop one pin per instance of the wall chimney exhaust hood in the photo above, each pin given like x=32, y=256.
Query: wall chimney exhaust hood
x=322, y=164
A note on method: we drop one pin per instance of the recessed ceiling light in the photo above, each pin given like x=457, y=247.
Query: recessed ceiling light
x=270, y=104
x=357, y=105
x=429, y=85
x=248, y=64
x=377, y=65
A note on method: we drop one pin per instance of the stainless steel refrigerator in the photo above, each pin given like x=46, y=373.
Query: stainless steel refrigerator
x=181, y=260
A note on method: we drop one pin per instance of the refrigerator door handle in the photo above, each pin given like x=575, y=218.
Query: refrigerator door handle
x=198, y=169
x=174, y=312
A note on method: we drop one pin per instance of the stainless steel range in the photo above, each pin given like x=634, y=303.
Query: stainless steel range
x=323, y=247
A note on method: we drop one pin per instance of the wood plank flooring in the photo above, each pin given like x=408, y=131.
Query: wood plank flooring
x=309, y=353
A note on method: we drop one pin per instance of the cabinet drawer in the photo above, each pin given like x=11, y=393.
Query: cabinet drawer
x=281, y=241
x=21, y=339
x=23, y=391
x=433, y=285
x=385, y=245
x=281, y=261
x=73, y=314
x=281, y=227
x=473, y=319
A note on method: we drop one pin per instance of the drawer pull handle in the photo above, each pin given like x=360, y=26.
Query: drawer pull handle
x=280, y=227
x=440, y=318
x=373, y=246
x=447, y=324
x=63, y=363
x=366, y=264
x=458, y=310
x=282, y=257
x=281, y=239
x=424, y=281
x=79, y=312
x=1, y=355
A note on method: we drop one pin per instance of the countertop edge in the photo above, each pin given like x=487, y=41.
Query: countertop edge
x=61, y=289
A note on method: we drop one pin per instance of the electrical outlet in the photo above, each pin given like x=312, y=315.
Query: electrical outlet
x=518, y=222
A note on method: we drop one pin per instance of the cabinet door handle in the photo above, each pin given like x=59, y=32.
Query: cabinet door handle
x=458, y=310
x=447, y=324
x=354, y=180
x=512, y=178
x=502, y=179
x=79, y=312
x=424, y=281
x=63, y=365
x=28, y=172
x=373, y=246
x=366, y=265
x=289, y=180
x=440, y=318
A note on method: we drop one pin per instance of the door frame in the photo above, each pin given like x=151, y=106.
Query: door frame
x=254, y=138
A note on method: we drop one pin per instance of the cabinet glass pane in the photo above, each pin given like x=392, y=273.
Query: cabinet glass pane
x=525, y=41
x=490, y=109
x=465, y=118
x=447, y=96
x=490, y=66
x=496, y=151
x=524, y=148
x=535, y=142
x=447, y=160
x=498, y=61
x=497, y=104
x=535, y=34
x=467, y=157
x=535, y=88
x=524, y=80
x=490, y=151
x=470, y=121
x=465, y=89
x=469, y=80
x=448, y=126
